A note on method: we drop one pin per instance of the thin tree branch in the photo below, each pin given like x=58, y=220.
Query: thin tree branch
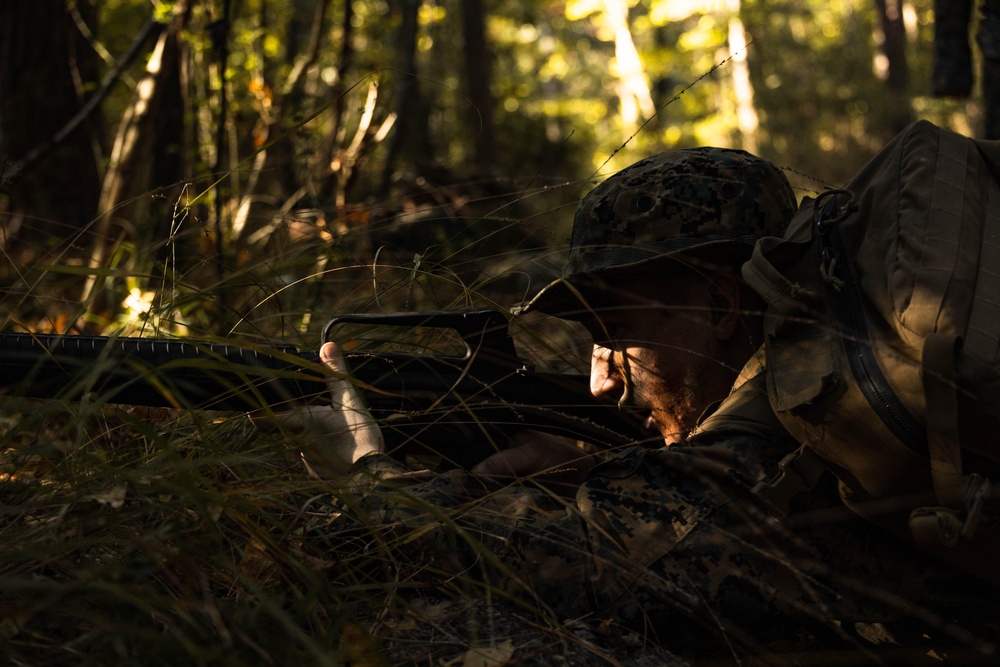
x=152, y=28
x=312, y=54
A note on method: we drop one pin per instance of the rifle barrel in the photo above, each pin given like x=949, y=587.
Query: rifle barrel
x=154, y=372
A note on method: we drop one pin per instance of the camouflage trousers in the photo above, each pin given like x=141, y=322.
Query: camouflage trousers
x=673, y=544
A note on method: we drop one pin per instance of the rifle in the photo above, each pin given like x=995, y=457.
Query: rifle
x=457, y=407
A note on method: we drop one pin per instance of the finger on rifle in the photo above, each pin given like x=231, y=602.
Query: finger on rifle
x=331, y=355
x=342, y=390
x=344, y=396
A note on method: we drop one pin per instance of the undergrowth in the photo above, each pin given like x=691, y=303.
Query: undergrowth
x=154, y=536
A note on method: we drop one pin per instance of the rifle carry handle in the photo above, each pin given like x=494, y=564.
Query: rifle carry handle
x=481, y=396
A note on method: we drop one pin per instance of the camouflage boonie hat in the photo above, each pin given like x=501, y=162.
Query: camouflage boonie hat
x=708, y=203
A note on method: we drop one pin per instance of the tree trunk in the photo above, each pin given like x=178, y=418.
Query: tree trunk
x=410, y=132
x=44, y=62
x=952, y=76
x=633, y=90
x=332, y=171
x=746, y=113
x=340, y=177
x=148, y=154
x=897, y=75
x=479, y=78
x=988, y=39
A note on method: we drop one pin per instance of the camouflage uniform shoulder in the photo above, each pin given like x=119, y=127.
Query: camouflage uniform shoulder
x=747, y=410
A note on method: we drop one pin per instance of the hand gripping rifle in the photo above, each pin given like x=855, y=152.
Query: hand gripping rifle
x=459, y=408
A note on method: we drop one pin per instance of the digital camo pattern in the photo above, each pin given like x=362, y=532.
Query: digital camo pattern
x=676, y=201
x=671, y=543
x=693, y=201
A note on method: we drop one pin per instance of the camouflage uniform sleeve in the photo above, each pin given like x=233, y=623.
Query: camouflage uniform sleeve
x=677, y=545
x=639, y=537
x=529, y=540
x=671, y=542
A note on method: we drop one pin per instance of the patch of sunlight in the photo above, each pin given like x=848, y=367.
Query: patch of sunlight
x=702, y=36
x=272, y=45
x=432, y=13
x=581, y=9
x=662, y=12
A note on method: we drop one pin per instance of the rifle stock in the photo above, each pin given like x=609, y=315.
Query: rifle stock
x=459, y=408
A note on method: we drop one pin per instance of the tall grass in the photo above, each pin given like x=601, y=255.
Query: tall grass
x=133, y=535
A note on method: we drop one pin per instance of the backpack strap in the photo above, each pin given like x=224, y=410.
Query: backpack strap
x=783, y=296
x=748, y=410
x=961, y=499
x=943, y=438
x=798, y=472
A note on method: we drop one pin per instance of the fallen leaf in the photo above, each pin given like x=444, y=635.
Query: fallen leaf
x=113, y=498
x=428, y=611
x=484, y=656
x=357, y=648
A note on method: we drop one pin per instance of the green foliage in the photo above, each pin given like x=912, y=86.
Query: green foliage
x=305, y=129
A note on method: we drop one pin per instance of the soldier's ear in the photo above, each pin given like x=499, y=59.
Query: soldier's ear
x=724, y=302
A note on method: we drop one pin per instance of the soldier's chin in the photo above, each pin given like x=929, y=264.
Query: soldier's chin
x=672, y=433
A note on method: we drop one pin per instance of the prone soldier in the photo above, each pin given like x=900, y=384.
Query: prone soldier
x=676, y=541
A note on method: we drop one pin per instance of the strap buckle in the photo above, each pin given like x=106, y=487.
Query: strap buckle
x=943, y=526
x=798, y=472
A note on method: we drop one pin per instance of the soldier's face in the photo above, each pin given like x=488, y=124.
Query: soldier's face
x=661, y=359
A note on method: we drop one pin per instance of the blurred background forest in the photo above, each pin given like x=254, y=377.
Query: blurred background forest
x=211, y=165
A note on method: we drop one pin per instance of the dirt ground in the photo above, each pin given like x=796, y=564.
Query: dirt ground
x=482, y=633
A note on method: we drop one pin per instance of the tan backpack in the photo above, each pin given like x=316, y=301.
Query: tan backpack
x=883, y=341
